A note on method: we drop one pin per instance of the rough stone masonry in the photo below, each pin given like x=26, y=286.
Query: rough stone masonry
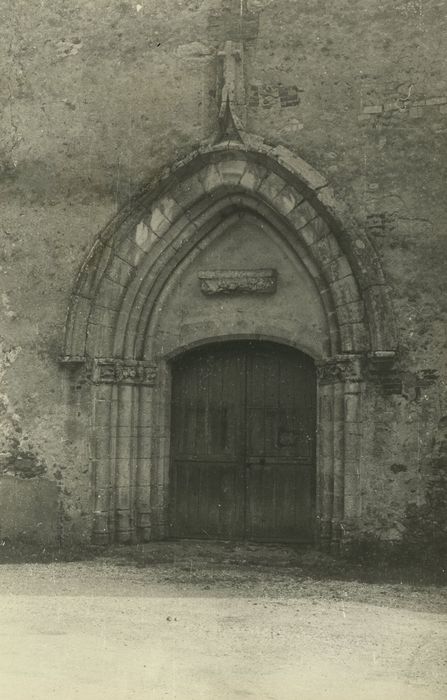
x=333, y=118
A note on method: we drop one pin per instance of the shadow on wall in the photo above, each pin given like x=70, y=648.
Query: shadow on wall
x=426, y=525
x=29, y=510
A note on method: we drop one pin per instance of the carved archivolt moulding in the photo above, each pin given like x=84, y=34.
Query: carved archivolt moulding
x=263, y=281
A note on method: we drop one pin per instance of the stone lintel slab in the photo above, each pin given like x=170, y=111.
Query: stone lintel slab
x=262, y=281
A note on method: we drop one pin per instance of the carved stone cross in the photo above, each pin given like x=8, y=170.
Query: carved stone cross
x=232, y=95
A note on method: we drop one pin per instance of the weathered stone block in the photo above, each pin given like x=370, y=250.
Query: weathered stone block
x=99, y=340
x=169, y=208
x=101, y=412
x=94, y=268
x=345, y=291
x=109, y=294
x=351, y=409
x=103, y=317
x=101, y=444
x=186, y=193
x=231, y=171
x=308, y=175
x=327, y=251
x=271, y=186
x=335, y=207
x=302, y=214
x=353, y=312
x=288, y=95
x=157, y=222
x=119, y=271
x=129, y=250
x=381, y=317
x=308, y=233
x=354, y=338
x=29, y=510
x=373, y=109
x=211, y=177
x=253, y=176
x=416, y=112
x=338, y=269
x=436, y=101
x=287, y=200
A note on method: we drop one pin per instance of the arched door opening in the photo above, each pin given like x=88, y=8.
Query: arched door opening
x=243, y=425
x=237, y=240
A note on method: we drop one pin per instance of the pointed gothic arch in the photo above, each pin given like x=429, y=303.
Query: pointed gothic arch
x=114, y=323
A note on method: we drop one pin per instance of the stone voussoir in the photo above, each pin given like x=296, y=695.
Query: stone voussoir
x=253, y=176
x=345, y=291
x=231, y=171
x=169, y=208
x=211, y=177
x=187, y=192
x=271, y=186
x=302, y=214
x=110, y=294
x=304, y=172
x=119, y=270
x=327, y=251
x=286, y=200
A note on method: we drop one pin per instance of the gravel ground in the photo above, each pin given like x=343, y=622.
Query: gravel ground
x=191, y=629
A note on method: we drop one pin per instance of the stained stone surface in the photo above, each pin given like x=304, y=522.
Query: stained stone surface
x=100, y=98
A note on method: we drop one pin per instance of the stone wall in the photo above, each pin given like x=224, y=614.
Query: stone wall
x=98, y=99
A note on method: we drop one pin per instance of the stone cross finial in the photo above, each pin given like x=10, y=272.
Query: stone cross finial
x=232, y=92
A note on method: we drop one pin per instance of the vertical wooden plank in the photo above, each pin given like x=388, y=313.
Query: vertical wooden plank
x=206, y=496
x=272, y=407
x=275, y=432
x=280, y=491
x=255, y=405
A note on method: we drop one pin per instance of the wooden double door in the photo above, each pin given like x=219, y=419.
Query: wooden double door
x=243, y=443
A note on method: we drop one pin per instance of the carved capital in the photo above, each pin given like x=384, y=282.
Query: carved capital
x=263, y=281
x=341, y=368
x=117, y=371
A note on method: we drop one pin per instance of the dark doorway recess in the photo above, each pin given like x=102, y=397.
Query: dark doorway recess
x=243, y=443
